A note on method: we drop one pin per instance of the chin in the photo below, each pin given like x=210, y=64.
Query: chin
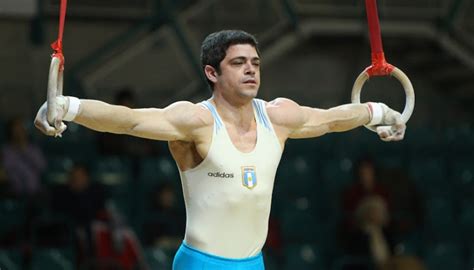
x=249, y=93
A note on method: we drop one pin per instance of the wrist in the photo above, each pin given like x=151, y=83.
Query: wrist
x=71, y=107
x=375, y=113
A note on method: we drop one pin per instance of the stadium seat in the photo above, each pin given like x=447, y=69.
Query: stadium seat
x=460, y=140
x=440, y=221
x=58, y=169
x=52, y=259
x=271, y=262
x=77, y=143
x=299, y=222
x=157, y=170
x=10, y=259
x=115, y=174
x=353, y=262
x=152, y=173
x=409, y=244
x=430, y=176
x=158, y=258
x=470, y=260
x=466, y=221
x=13, y=216
x=461, y=172
x=296, y=177
x=444, y=256
x=336, y=176
x=303, y=257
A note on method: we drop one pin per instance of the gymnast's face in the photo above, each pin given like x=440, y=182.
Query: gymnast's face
x=239, y=72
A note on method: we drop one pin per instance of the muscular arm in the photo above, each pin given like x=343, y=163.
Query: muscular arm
x=179, y=121
x=295, y=121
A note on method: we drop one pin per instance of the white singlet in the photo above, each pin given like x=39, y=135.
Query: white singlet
x=228, y=195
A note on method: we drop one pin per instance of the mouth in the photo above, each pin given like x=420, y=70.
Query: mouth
x=251, y=81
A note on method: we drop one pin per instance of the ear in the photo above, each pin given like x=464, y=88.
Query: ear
x=211, y=73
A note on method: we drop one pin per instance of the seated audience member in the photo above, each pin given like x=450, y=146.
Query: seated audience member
x=23, y=161
x=370, y=239
x=166, y=222
x=365, y=185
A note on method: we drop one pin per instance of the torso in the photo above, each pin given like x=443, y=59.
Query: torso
x=224, y=216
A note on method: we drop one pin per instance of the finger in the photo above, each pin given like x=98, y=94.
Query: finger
x=47, y=129
x=384, y=132
x=398, y=129
x=58, y=123
x=396, y=135
x=42, y=124
x=60, y=130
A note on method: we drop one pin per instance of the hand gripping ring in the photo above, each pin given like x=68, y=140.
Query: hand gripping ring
x=402, y=78
x=55, y=88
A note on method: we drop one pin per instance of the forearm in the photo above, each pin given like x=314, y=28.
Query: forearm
x=347, y=117
x=294, y=121
x=103, y=117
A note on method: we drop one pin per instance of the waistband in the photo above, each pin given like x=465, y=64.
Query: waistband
x=222, y=260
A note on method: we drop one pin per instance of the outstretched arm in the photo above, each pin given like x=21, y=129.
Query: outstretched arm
x=295, y=121
x=175, y=122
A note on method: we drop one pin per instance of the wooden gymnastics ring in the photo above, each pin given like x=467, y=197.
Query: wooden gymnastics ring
x=402, y=78
x=55, y=88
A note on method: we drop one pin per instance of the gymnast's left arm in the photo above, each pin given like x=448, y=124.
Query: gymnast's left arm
x=295, y=121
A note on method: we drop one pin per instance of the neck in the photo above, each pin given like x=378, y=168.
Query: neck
x=234, y=111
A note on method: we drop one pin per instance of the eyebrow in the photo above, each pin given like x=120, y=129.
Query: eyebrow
x=244, y=58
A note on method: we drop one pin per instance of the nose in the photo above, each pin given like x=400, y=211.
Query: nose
x=250, y=69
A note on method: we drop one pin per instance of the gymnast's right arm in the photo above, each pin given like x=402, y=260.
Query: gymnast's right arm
x=175, y=122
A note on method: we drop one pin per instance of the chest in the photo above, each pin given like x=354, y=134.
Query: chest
x=243, y=139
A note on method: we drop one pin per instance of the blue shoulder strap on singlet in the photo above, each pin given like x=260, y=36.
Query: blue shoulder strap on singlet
x=260, y=108
x=212, y=109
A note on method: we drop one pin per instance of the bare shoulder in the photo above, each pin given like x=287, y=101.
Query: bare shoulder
x=192, y=115
x=283, y=111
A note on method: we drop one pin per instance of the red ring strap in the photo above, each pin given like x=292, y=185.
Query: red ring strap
x=58, y=44
x=379, y=66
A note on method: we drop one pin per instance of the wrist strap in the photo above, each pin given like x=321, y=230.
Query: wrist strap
x=376, y=111
x=73, y=109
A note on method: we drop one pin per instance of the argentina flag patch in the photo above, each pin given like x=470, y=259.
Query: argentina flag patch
x=249, y=177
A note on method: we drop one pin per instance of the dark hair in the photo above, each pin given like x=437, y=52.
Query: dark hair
x=360, y=162
x=12, y=122
x=215, y=45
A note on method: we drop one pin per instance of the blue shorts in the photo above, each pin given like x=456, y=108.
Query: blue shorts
x=188, y=258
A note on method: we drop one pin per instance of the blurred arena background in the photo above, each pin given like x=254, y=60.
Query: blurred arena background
x=97, y=201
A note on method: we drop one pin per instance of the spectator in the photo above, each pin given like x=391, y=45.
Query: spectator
x=4, y=184
x=23, y=161
x=80, y=199
x=370, y=239
x=115, y=144
x=116, y=246
x=104, y=241
x=274, y=246
x=166, y=224
x=83, y=202
x=365, y=185
x=24, y=164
